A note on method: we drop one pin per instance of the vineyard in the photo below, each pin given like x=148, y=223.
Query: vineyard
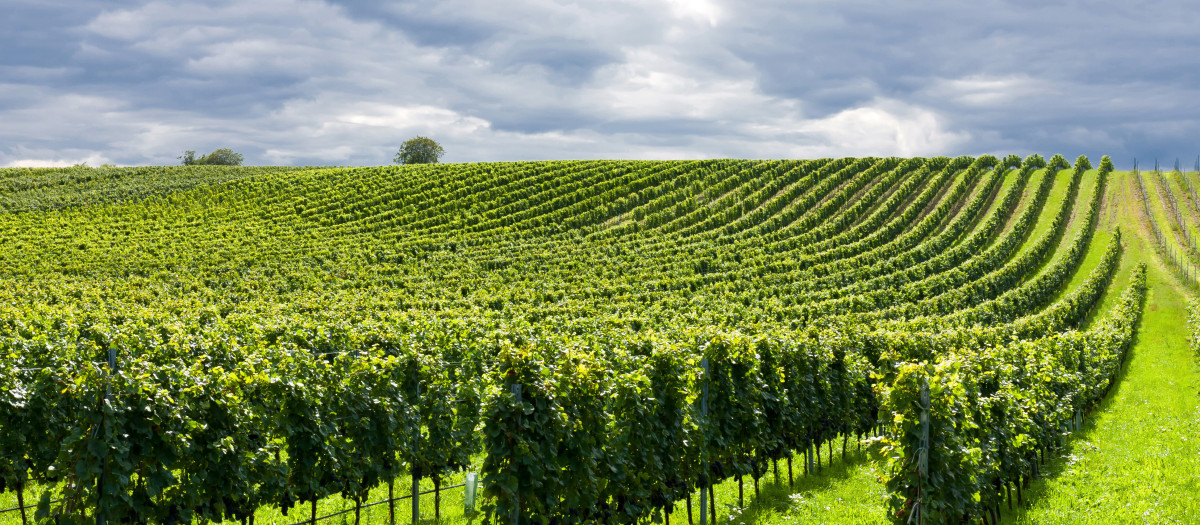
x=601, y=341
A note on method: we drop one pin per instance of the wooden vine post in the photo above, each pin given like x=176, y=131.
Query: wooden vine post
x=416, y=478
x=704, y=487
x=922, y=456
x=21, y=502
x=392, y=500
x=102, y=516
x=516, y=512
x=689, y=506
x=791, y=483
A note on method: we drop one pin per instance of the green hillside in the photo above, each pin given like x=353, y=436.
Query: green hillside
x=852, y=340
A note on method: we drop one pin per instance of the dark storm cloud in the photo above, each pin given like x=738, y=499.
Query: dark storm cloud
x=570, y=60
x=344, y=81
x=422, y=22
x=1090, y=77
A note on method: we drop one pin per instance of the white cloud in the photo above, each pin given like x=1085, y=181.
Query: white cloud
x=887, y=127
x=332, y=129
x=991, y=90
x=91, y=159
x=408, y=118
x=705, y=11
x=653, y=84
x=252, y=56
x=127, y=24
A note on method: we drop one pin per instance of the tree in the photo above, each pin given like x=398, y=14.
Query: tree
x=1106, y=163
x=1082, y=163
x=220, y=157
x=420, y=150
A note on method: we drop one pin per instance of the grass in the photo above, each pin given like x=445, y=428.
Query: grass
x=846, y=489
x=1010, y=180
x=1137, y=459
x=452, y=509
x=1186, y=206
x=1166, y=223
x=1055, y=200
x=1031, y=186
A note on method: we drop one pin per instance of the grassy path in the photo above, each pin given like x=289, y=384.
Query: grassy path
x=1137, y=459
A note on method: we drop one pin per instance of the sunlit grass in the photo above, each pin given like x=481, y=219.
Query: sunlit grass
x=1137, y=459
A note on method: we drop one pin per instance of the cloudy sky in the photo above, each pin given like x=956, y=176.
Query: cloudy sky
x=344, y=82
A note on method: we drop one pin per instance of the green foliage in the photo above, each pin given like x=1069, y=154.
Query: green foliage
x=283, y=336
x=219, y=157
x=419, y=150
x=924, y=287
x=993, y=409
x=31, y=189
x=1083, y=164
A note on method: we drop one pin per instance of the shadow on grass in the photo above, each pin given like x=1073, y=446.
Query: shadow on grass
x=775, y=495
